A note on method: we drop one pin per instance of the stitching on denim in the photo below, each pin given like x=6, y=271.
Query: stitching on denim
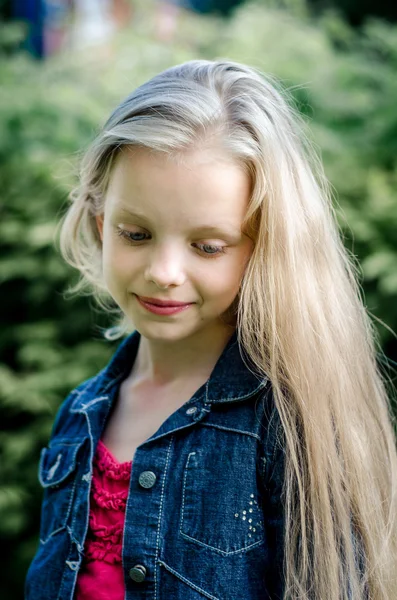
x=160, y=513
x=207, y=400
x=112, y=382
x=195, y=587
x=57, y=440
x=222, y=427
x=87, y=388
x=63, y=526
x=51, y=446
x=44, y=541
x=69, y=563
x=90, y=472
x=80, y=547
x=51, y=471
x=183, y=490
x=64, y=575
x=261, y=385
x=218, y=550
x=78, y=393
x=184, y=426
x=84, y=407
x=71, y=500
x=59, y=597
x=172, y=431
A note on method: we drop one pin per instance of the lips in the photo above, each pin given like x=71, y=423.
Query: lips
x=159, y=302
x=163, y=311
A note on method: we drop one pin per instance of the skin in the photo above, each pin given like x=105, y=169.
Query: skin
x=173, y=257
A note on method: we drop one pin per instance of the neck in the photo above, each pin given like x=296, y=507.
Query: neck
x=169, y=363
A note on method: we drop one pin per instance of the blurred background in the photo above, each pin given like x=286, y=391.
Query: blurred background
x=64, y=65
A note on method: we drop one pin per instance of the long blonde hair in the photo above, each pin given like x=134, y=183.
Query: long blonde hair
x=300, y=316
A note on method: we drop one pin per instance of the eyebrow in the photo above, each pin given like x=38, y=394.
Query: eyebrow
x=231, y=231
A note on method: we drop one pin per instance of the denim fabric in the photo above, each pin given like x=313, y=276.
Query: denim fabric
x=212, y=524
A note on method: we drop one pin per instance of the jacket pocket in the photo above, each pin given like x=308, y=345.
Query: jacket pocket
x=57, y=477
x=221, y=506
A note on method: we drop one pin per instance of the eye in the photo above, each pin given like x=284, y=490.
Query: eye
x=211, y=250
x=131, y=236
x=135, y=237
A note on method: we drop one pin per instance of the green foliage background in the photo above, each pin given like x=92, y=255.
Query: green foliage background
x=344, y=82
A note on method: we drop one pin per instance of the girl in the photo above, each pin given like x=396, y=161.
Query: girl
x=240, y=443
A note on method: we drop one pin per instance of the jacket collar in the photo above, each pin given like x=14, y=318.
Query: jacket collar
x=231, y=378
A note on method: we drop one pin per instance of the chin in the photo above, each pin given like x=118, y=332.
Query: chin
x=171, y=332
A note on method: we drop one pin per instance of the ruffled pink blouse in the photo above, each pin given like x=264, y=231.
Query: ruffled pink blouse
x=101, y=574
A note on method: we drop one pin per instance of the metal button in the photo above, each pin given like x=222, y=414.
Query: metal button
x=137, y=573
x=191, y=411
x=147, y=479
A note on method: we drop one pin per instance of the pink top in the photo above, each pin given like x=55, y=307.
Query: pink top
x=101, y=574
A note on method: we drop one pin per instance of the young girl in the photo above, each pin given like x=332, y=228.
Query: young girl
x=239, y=445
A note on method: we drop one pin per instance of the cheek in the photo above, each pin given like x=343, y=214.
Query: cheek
x=117, y=266
x=224, y=281
x=233, y=275
x=117, y=258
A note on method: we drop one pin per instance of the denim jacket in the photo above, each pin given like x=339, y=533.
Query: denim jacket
x=204, y=516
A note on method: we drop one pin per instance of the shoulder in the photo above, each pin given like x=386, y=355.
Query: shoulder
x=88, y=394
x=75, y=402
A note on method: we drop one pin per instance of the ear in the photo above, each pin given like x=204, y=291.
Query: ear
x=99, y=224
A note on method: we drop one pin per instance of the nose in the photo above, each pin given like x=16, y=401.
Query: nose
x=165, y=267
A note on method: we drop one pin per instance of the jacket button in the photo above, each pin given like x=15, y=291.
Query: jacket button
x=137, y=573
x=147, y=479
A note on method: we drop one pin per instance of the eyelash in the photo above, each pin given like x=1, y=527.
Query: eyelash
x=126, y=236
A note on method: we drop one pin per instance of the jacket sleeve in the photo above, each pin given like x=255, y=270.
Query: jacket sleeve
x=272, y=480
x=273, y=504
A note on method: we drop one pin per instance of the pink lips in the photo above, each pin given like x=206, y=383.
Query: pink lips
x=162, y=307
x=159, y=302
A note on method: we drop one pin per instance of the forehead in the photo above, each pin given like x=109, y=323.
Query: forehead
x=198, y=184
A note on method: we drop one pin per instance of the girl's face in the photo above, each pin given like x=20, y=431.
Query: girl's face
x=173, y=232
